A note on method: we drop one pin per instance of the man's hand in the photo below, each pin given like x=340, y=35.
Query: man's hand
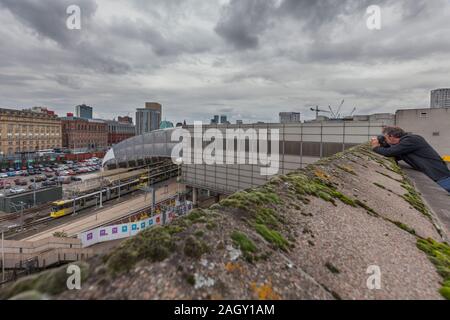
x=374, y=142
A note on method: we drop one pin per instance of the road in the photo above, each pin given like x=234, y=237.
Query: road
x=103, y=216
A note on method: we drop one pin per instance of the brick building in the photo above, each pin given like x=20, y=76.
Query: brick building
x=84, y=135
x=120, y=130
x=27, y=131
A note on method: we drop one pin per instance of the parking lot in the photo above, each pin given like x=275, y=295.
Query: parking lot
x=41, y=176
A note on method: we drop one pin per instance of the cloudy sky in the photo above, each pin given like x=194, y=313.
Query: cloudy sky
x=249, y=59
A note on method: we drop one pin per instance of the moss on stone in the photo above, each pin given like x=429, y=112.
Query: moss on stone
x=267, y=216
x=439, y=255
x=246, y=245
x=195, y=248
x=404, y=227
x=154, y=244
x=304, y=185
x=414, y=198
x=50, y=282
x=332, y=268
x=379, y=185
x=272, y=236
x=346, y=169
x=368, y=209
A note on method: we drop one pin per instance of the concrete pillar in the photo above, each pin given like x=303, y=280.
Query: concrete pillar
x=194, y=196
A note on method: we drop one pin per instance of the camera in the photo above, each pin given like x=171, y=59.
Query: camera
x=382, y=141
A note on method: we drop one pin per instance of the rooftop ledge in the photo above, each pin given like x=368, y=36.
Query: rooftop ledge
x=351, y=226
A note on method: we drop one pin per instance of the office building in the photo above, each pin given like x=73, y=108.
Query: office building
x=440, y=98
x=289, y=117
x=432, y=124
x=148, y=118
x=83, y=111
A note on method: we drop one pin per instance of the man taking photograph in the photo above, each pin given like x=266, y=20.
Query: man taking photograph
x=415, y=151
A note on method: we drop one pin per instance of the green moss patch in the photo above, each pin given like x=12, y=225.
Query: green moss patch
x=439, y=255
x=272, y=236
x=154, y=244
x=414, y=199
x=243, y=242
x=194, y=247
x=50, y=282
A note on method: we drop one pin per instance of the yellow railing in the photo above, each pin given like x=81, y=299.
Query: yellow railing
x=446, y=158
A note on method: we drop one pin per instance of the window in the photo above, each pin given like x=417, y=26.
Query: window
x=436, y=134
x=423, y=115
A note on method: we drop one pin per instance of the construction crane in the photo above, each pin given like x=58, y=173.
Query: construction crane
x=353, y=111
x=317, y=110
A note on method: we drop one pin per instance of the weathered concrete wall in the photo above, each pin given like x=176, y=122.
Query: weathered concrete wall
x=323, y=232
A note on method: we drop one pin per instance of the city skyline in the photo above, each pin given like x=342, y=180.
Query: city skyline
x=249, y=60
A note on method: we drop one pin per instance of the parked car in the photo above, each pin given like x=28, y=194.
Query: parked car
x=11, y=174
x=17, y=190
x=48, y=183
x=76, y=179
x=3, y=175
x=48, y=174
x=20, y=182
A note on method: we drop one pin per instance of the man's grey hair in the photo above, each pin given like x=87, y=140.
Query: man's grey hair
x=394, y=132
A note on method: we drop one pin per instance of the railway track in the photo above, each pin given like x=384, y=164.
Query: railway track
x=26, y=213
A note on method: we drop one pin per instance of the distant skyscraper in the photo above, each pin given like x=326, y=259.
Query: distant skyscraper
x=239, y=122
x=223, y=119
x=289, y=117
x=83, y=111
x=440, y=98
x=148, y=118
x=215, y=120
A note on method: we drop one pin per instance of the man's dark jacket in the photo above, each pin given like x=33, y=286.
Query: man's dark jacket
x=416, y=152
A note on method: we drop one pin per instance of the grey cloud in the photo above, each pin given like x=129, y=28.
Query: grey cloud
x=48, y=17
x=242, y=22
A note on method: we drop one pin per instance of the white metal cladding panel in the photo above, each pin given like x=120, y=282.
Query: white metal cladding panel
x=356, y=138
x=245, y=173
x=335, y=130
x=357, y=130
x=292, y=137
x=333, y=138
x=292, y=130
x=221, y=176
x=312, y=129
x=375, y=129
x=221, y=169
x=210, y=179
x=245, y=180
x=311, y=138
x=291, y=158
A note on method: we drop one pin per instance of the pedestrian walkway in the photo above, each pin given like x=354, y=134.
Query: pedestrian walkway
x=437, y=199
